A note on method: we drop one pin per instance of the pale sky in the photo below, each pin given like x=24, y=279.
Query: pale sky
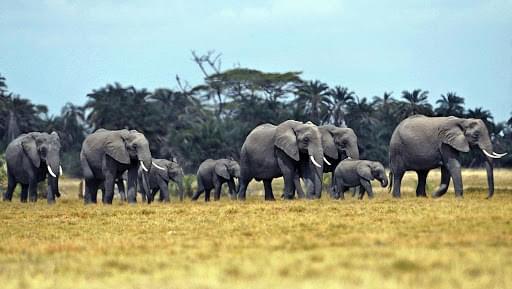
x=57, y=51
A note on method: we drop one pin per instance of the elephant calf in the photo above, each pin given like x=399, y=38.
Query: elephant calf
x=351, y=173
x=212, y=174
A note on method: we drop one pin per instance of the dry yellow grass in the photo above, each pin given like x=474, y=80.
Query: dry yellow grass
x=383, y=243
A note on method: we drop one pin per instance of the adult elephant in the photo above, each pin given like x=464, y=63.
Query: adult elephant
x=161, y=172
x=106, y=155
x=421, y=143
x=338, y=144
x=212, y=174
x=30, y=158
x=271, y=151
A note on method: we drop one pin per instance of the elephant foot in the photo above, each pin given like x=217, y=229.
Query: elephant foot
x=421, y=196
x=459, y=197
x=51, y=202
x=287, y=197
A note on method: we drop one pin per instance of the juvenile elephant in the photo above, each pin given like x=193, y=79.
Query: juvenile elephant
x=30, y=157
x=106, y=155
x=211, y=174
x=421, y=143
x=352, y=173
x=290, y=149
x=161, y=172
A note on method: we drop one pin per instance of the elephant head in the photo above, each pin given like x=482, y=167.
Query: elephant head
x=44, y=150
x=464, y=134
x=227, y=169
x=302, y=141
x=373, y=171
x=169, y=170
x=339, y=142
x=129, y=146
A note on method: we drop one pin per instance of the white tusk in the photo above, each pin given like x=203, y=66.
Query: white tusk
x=158, y=167
x=491, y=156
x=314, y=162
x=51, y=172
x=326, y=161
x=143, y=166
x=499, y=155
x=60, y=171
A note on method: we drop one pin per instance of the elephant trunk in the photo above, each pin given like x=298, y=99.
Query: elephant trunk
x=486, y=146
x=179, y=183
x=316, y=169
x=383, y=181
x=352, y=152
x=145, y=159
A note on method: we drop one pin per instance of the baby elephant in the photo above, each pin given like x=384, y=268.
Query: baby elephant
x=351, y=173
x=212, y=174
x=161, y=172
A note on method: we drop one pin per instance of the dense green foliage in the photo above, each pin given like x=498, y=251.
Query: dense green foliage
x=212, y=119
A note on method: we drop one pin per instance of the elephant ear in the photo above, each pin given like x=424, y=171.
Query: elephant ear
x=222, y=170
x=116, y=148
x=328, y=144
x=453, y=135
x=365, y=172
x=30, y=148
x=286, y=140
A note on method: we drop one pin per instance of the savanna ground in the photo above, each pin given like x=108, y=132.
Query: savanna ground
x=382, y=243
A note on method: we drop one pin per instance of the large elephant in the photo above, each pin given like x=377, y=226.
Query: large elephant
x=421, y=143
x=211, y=174
x=106, y=155
x=30, y=157
x=271, y=151
x=338, y=144
x=161, y=172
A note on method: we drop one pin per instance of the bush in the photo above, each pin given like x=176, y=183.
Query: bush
x=3, y=173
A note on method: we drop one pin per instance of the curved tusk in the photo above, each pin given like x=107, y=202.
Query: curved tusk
x=499, y=155
x=491, y=156
x=51, y=172
x=60, y=171
x=158, y=167
x=326, y=161
x=143, y=166
x=314, y=162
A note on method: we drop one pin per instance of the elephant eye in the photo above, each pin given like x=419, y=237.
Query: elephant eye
x=306, y=139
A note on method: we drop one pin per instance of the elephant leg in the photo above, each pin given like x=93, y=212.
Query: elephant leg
x=150, y=196
x=207, y=195
x=24, y=193
x=132, y=185
x=288, y=170
x=242, y=187
x=445, y=182
x=232, y=189
x=91, y=191
x=120, y=188
x=108, y=195
x=11, y=185
x=50, y=197
x=397, y=182
x=453, y=167
x=267, y=185
x=32, y=190
x=361, y=191
x=164, y=191
x=422, y=182
x=365, y=186
x=332, y=186
x=217, y=191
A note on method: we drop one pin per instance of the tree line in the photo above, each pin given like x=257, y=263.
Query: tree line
x=212, y=119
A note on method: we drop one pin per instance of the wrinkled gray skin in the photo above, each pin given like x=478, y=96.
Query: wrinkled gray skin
x=421, y=143
x=211, y=174
x=358, y=173
x=159, y=180
x=338, y=144
x=29, y=158
x=271, y=151
x=106, y=155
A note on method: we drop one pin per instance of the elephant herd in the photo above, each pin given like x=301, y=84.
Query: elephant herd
x=292, y=150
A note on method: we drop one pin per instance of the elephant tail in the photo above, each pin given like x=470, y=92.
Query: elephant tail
x=390, y=181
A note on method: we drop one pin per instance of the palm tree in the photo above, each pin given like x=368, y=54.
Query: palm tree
x=450, y=104
x=483, y=114
x=313, y=99
x=3, y=85
x=341, y=98
x=416, y=102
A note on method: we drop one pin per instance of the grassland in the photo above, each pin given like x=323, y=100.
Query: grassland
x=382, y=243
